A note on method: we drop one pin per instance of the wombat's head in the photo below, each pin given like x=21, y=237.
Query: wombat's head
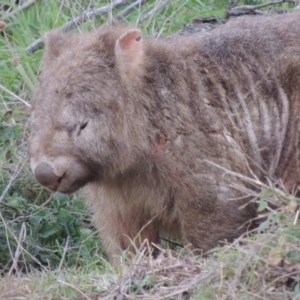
x=84, y=123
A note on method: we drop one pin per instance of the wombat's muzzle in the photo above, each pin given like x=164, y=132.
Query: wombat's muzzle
x=46, y=176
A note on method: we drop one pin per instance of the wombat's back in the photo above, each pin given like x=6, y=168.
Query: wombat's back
x=240, y=81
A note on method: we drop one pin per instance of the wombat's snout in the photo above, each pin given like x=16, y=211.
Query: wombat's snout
x=46, y=176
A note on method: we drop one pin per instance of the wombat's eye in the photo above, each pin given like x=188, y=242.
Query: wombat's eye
x=83, y=125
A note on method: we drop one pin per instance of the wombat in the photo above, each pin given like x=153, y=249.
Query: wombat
x=168, y=137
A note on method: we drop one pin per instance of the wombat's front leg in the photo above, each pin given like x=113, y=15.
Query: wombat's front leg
x=125, y=232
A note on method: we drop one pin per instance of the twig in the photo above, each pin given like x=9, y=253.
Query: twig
x=244, y=9
x=12, y=179
x=255, y=182
x=22, y=236
x=265, y=4
x=235, y=3
x=20, y=8
x=66, y=248
x=91, y=14
x=119, y=16
x=172, y=242
x=296, y=217
x=14, y=95
x=154, y=11
x=75, y=288
x=20, y=247
x=79, y=20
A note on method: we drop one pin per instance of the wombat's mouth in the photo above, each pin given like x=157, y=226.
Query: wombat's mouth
x=63, y=178
x=67, y=190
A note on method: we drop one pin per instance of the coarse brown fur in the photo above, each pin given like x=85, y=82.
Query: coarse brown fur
x=154, y=130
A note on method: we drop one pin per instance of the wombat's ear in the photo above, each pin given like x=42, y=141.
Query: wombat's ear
x=129, y=50
x=54, y=42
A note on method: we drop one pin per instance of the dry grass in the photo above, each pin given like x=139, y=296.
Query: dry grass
x=261, y=266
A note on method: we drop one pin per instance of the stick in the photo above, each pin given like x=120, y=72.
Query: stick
x=244, y=9
x=12, y=179
x=20, y=8
x=120, y=16
x=154, y=11
x=79, y=20
x=14, y=95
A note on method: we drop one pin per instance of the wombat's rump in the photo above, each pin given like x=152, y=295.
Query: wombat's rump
x=161, y=133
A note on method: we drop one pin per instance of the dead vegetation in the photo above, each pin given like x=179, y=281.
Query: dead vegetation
x=262, y=265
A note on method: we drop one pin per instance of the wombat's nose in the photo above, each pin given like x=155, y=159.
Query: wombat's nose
x=45, y=175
